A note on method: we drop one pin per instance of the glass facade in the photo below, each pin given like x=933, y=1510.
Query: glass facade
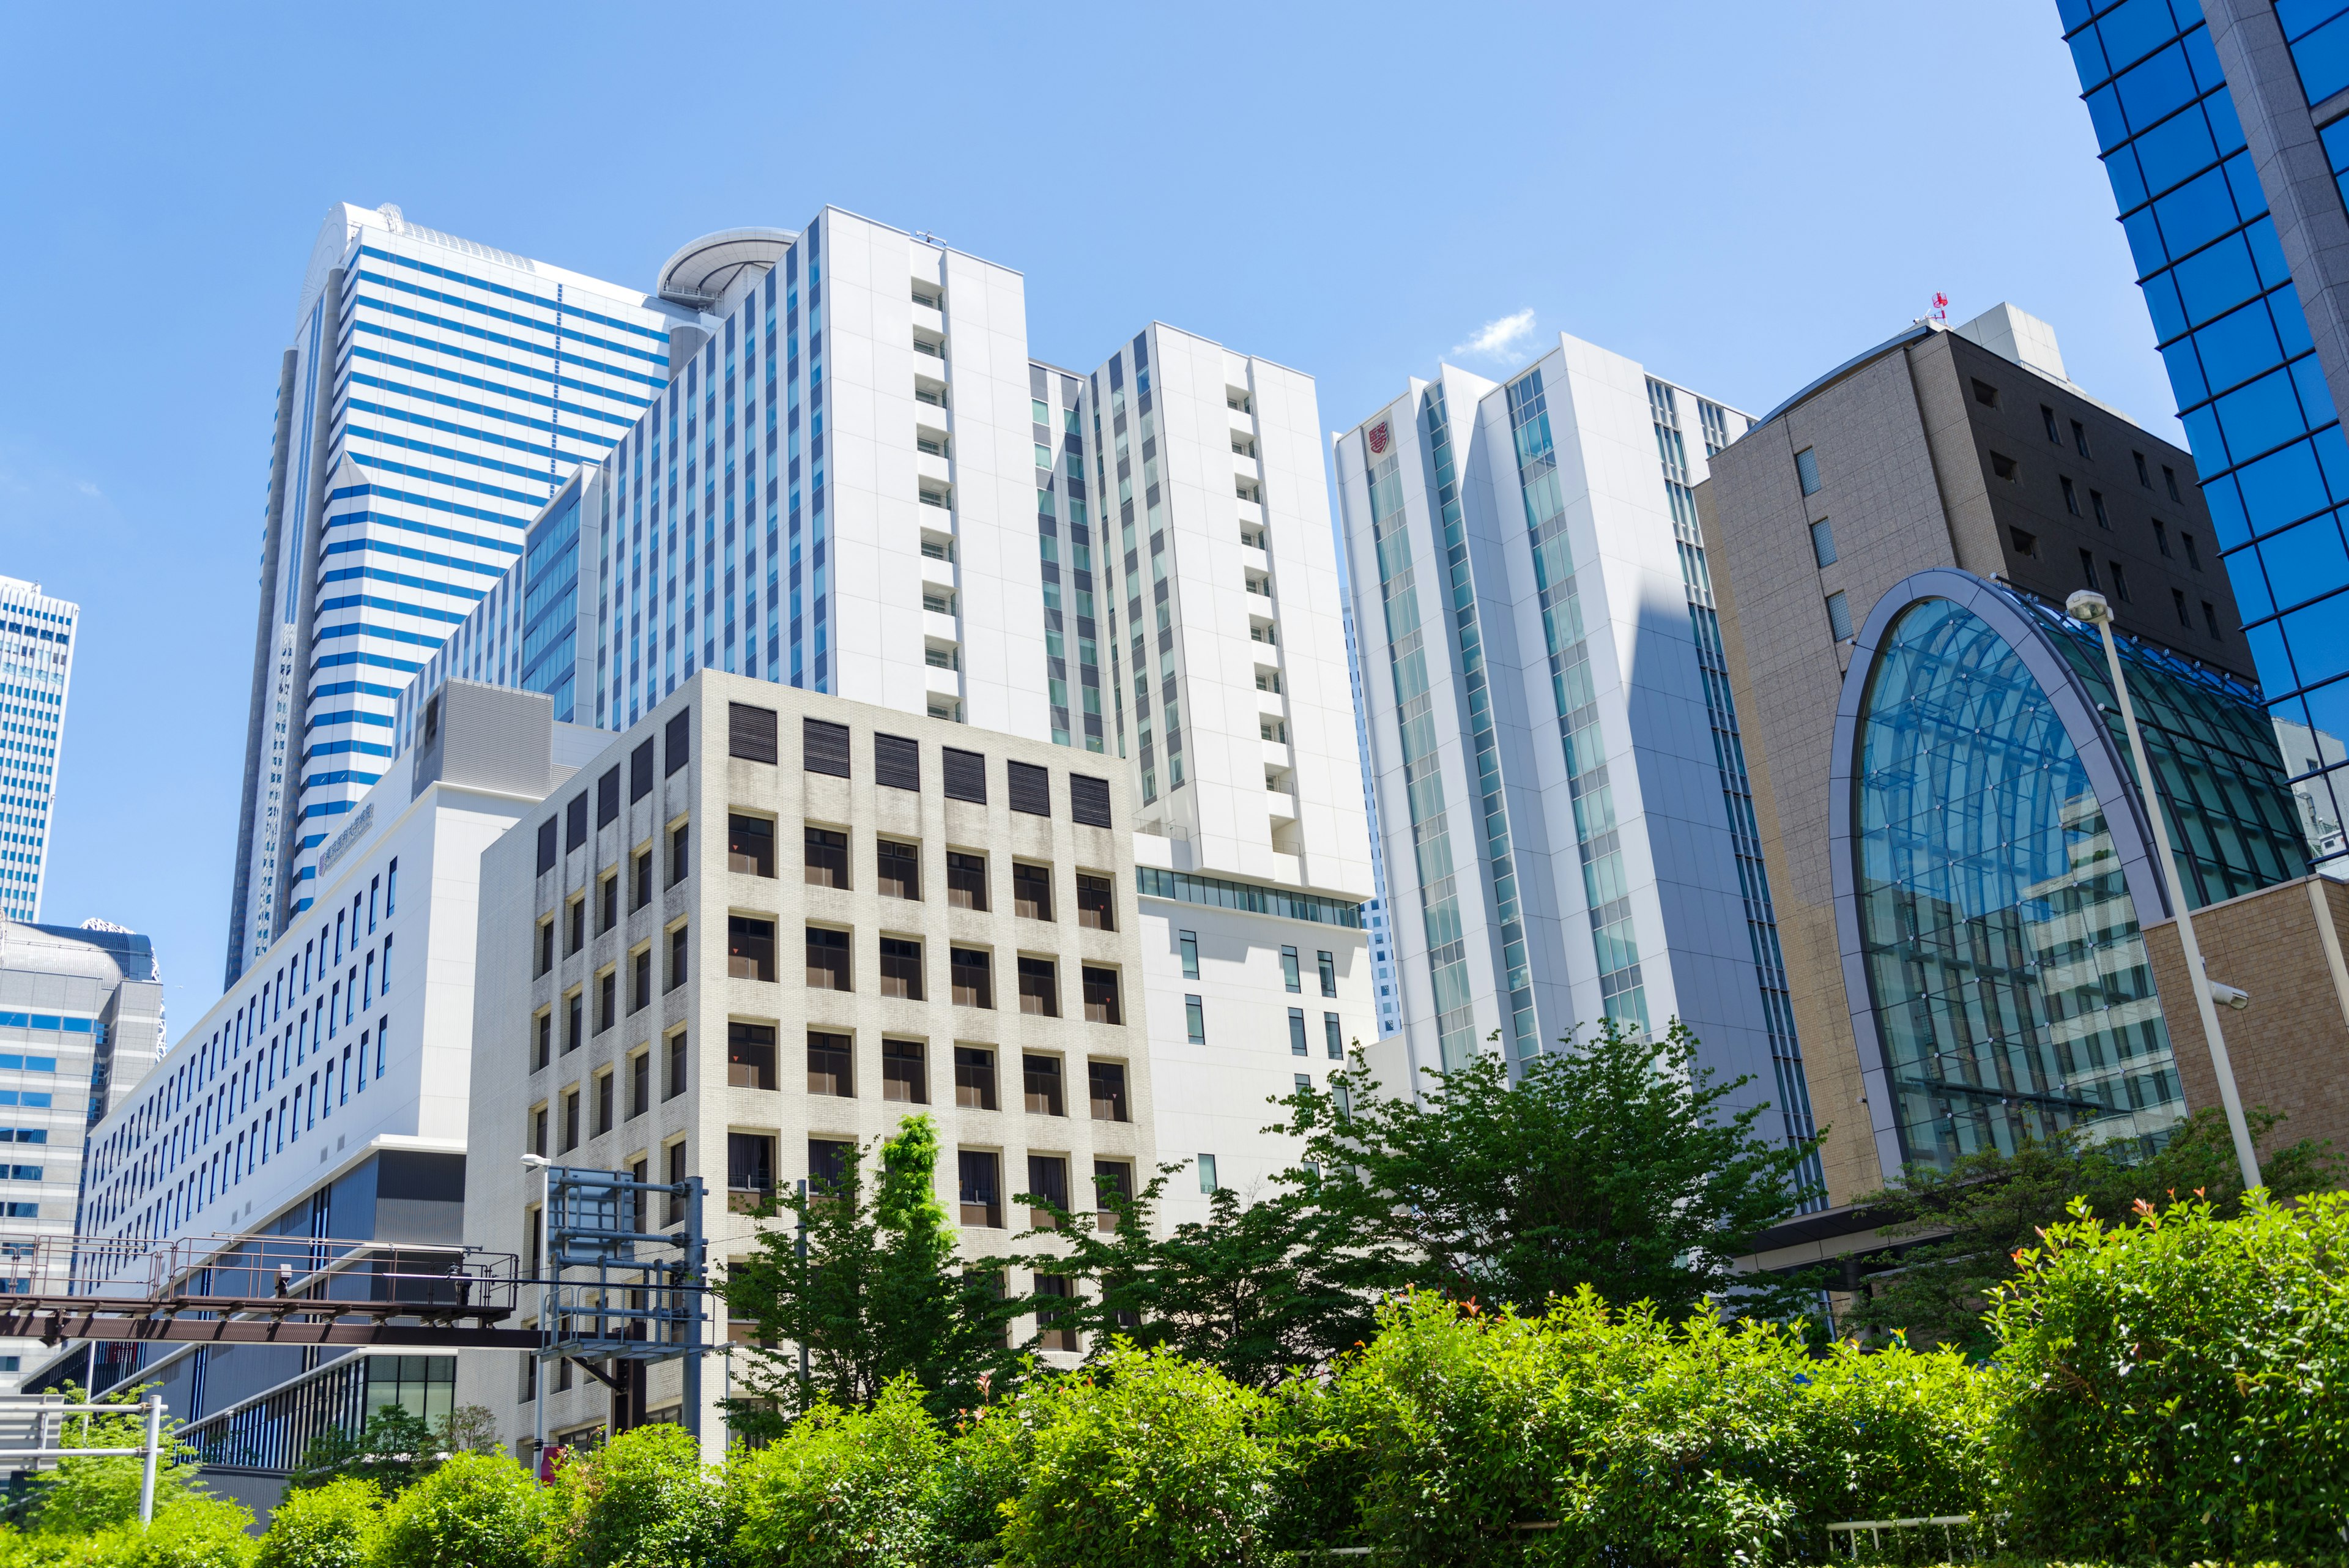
x=2006, y=969
x=2257, y=411
x=1064, y=543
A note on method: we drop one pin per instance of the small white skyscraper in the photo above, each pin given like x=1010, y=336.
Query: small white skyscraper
x=37, y=635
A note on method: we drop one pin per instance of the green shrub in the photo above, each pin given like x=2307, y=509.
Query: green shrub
x=643, y=1500
x=330, y=1525
x=2178, y=1387
x=1141, y=1458
x=980, y=1472
x=477, y=1511
x=194, y=1531
x=839, y=1487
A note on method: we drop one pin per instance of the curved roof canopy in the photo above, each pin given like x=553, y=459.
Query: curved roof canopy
x=699, y=274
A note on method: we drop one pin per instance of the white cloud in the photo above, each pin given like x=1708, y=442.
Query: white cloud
x=86, y=487
x=1502, y=339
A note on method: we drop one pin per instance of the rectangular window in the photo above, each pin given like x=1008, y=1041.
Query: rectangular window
x=981, y=1175
x=1089, y=801
x=897, y=763
x=2210, y=620
x=680, y=862
x=1328, y=963
x=2177, y=598
x=544, y=1051
x=1112, y=1192
x=574, y=834
x=677, y=1174
x=607, y=797
x=2169, y=480
x=640, y=773
x=1040, y=1080
x=607, y=902
x=827, y=959
x=827, y=858
x=607, y=1097
x=1839, y=615
x=547, y=853
x=1029, y=787
x=2193, y=556
x=1101, y=1005
x=970, y=971
x=607, y=1000
x=974, y=1079
x=750, y=733
x=575, y=924
x=642, y=867
x=1195, y=1018
x=901, y=968
x=751, y=1056
x=897, y=868
x=1039, y=990
x=1208, y=1173
x=1096, y=908
x=966, y=775
x=905, y=1072
x=1823, y=550
x=1806, y=473
x=749, y=844
x=2071, y=496
x=2089, y=570
x=546, y=944
x=823, y=747
x=1105, y=1081
x=575, y=1022
x=640, y=988
x=2025, y=542
x=570, y=1120
x=2120, y=581
x=1985, y=394
x=2142, y=477
x=2096, y=505
x=2002, y=466
x=831, y=1164
x=673, y=1082
x=640, y=1083
x=966, y=881
x=2080, y=439
x=680, y=944
x=2161, y=538
x=1189, y=943
x=831, y=1069
x=1297, y=1032
x=1290, y=979
x=2047, y=422
x=1048, y=1179
x=538, y=1132
x=1031, y=891
x=750, y=1165
x=676, y=743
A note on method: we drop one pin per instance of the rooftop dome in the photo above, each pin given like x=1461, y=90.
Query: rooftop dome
x=698, y=276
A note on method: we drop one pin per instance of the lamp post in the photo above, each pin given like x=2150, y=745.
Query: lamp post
x=538, y=1162
x=2091, y=608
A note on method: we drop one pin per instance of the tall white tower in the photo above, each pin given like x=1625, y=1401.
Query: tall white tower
x=37, y=637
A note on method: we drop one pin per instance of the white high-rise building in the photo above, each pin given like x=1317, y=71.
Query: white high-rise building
x=37, y=635
x=435, y=394
x=1569, y=831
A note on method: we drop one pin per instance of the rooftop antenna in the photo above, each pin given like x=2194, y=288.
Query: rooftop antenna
x=1940, y=310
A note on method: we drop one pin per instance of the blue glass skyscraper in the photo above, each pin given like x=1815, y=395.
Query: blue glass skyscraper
x=2224, y=130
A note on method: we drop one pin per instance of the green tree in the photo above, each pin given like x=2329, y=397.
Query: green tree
x=476, y=1510
x=643, y=1500
x=85, y=1496
x=1964, y=1225
x=396, y=1448
x=330, y=1524
x=880, y=1293
x=841, y=1488
x=1613, y=1162
x=1254, y=1291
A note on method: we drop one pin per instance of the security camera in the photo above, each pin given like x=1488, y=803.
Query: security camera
x=2228, y=996
x=2087, y=605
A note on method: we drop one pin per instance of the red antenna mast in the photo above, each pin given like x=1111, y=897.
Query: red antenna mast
x=1941, y=311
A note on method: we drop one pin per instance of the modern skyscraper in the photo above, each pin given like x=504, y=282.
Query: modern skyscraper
x=436, y=392
x=2224, y=128
x=1569, y=827
x=1375, y=913
x=37, y=637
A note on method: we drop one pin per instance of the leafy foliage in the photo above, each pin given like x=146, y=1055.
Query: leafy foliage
x=881, y=1294
x=396, y=1448
x=1994, y=1204
x=1612, y=1162
x=1141, y=1459
x=475, y=1511
x=643, y=1500
x=841, y=1488
x=329, y=1524
x=2177, y=1388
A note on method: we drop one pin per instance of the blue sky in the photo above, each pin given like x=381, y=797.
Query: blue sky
x=1738, y=195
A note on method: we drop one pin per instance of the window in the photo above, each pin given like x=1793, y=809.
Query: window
x=2025, y=542
x=2089, y=570
x=2210, y=620
x=1101, y=995
x=547, y=846
x=2080, y=439
x=750, y=1165
x=607, y=797
x=575, y=924
x=901, y=968
x=2096, y=505
x=2193, y=556
x=640, y=871
x=750, y=733
x=751, y=1056
x=680, y=862
x=1089, y=801
x=574, y=1020
x=1297, y=1032
x=640, y=1083
x=1048, y=1179
x=750, y=845
x=545, y=1052
x=607, y=1097
x=2169, y=480
x=1188, y=942
x=1112, y=1192
x=966, y=881
x=1206, y=1173
x=897, y=763
x=570, y=1120
x=830, y=1067
x=2177, y=598
x=974, y=1079
x=827, y=959
x=2120, y=581
x=969, y=969
x=2071, y=496
x=1195, y=1018
x=674, y=1068
x=1031, y=891
x=966, y=775
x=546, y=944
x=1333, y=1037
x=2002, y=466
x=538, y=1131
x=640, y=979
x=1985, y=394
x=831, y=1164
x=1106, y=1084
x=640, y=773
x=2142, y=477
x=607, y=1000
x=2047, y=419
x=1040, y=1080
x=982, y=1198
x=2161, y=538
x=905, y=1072
x=677, y=741
x=1029, y=787
x=897, y=869
x=675, y=1205
x=678, y=942
x=823, y=747
x=1039, y=990
x=827, y=858
x=1328, y=963
x=1823, y=550
x=1288, y=976
x=1839, y=615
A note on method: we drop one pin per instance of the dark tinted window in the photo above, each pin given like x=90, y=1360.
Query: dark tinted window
x=823, y=747
x=680, y=734
x=574, y=824
x=607, y=796
x=1031, y=789
x=966, y=775
x=640, y=772
x=546, y=851
x=897, y=762
x=1088, y=799
x=750, y=733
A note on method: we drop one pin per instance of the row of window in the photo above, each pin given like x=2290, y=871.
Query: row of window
x=897, y=871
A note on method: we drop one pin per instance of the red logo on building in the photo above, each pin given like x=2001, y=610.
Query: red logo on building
x=1379, y=435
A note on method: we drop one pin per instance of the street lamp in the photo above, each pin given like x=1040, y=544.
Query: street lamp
x=539, y=1163
x=2090, y=607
